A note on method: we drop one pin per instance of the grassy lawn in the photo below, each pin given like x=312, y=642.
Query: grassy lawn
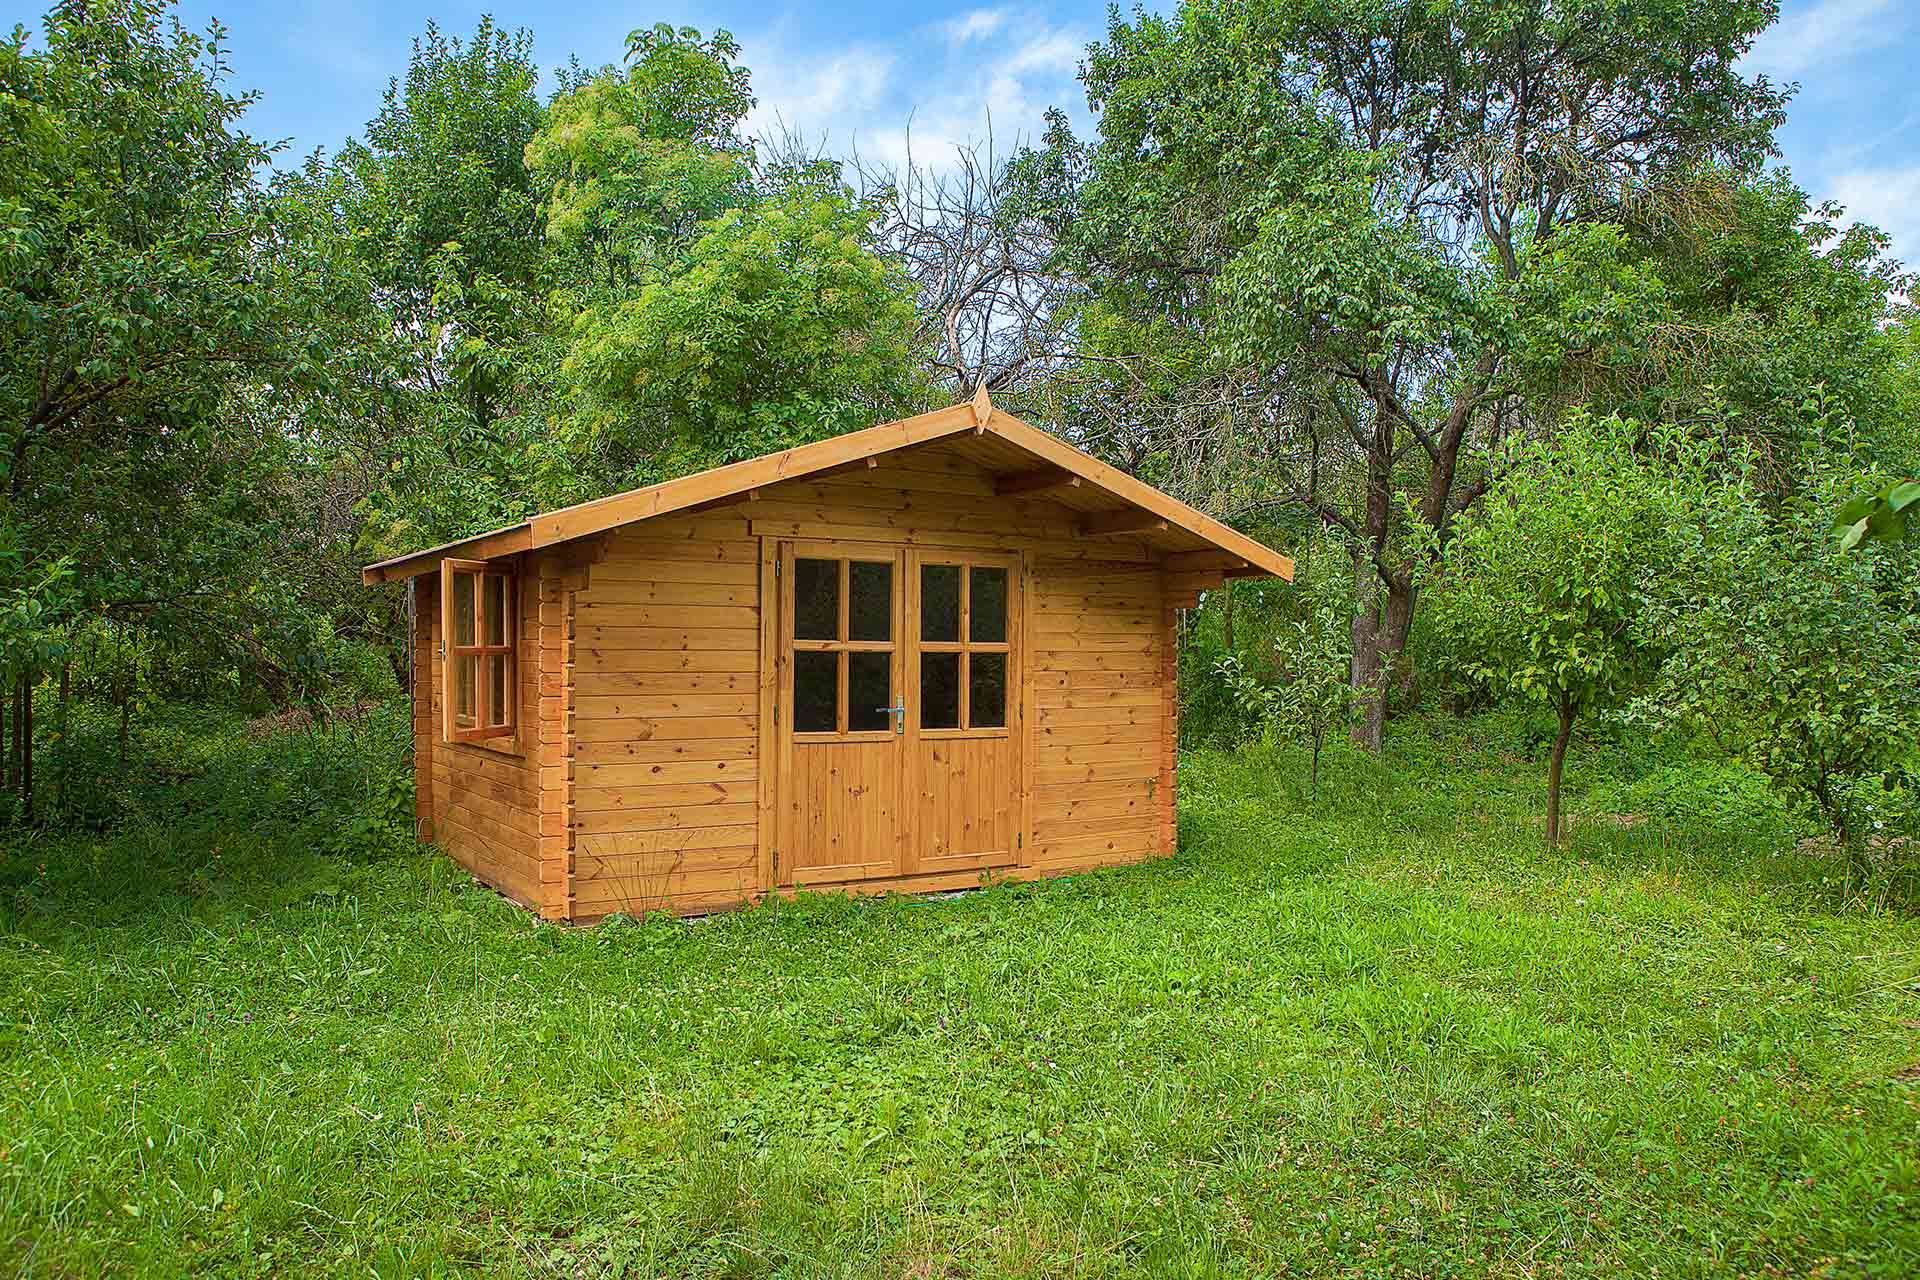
x=1386, y=1033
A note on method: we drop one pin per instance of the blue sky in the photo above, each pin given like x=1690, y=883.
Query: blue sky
x=881, y=77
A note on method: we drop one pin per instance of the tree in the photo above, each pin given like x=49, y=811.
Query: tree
x=635, y=160
x=719, y=310
x=434, y=238
x=1885, y=515
x=162, y=334
x=1544, y=587
x=1299, y=692
x=1795, y=655
x=1379, y=225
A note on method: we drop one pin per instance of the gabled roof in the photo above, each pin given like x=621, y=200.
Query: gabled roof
x=1109, y=500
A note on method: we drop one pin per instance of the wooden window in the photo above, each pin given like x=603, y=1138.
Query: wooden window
x=479, y=621
x=843, y=647
x=964, y=646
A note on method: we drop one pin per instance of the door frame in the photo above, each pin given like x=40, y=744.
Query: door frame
x=776, y=676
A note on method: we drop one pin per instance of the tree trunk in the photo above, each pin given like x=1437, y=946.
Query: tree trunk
x=1379, y=648
x=126, y=700
x=6, y=739
x=66, y=752
x=1554, y=766
x=26, y=747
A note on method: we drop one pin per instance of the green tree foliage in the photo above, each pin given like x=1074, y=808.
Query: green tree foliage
x=1797, y=656
x=1375, y=227
x=1763, y=298
x=1545, y=587
x=635, y=160
x=1309, y=698
x=714, y=311
x=434, y=234
x=1886, y=515
x=781, y=326
x=161, y=333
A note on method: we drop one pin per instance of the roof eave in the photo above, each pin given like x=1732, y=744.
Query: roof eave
x=1229, y=551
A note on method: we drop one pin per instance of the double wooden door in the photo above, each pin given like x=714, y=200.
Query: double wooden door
x=898, y=678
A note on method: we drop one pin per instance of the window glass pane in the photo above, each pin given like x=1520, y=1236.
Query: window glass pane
x=987, y=691
x=939, y=602
x=816, y=599
x=466, y=688
x=869, y=690
x=494, y=589
x=499, y=711
x=816, y=691
x=463, y=608
x=869, y=601
x=940, y=690
x=987, y=605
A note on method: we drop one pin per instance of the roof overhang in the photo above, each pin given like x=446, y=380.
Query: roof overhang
x=1227, y=551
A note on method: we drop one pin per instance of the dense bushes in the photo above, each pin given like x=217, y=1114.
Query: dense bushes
x=209, y=803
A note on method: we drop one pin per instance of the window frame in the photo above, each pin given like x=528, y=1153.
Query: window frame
x=842, y=647
x=965, y=645
x=484, y=728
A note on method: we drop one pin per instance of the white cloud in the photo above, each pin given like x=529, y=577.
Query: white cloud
x=1048, y=50
x=985, y=74
x=1813, y=38
x=806, y=92
x=1889, y=198
x=975, y=24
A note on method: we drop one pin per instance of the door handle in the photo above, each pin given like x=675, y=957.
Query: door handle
x=899, y=715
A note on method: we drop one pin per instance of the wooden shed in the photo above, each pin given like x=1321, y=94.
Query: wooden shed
x=910, y=658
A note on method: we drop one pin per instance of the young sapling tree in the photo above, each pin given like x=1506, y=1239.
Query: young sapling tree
x=1540, y=591
x=1312, y=697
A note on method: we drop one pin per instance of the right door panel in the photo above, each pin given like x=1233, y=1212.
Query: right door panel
x=963, y=732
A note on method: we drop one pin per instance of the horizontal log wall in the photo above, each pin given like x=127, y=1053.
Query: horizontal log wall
x=637, y=782
x=485, y=799
x=666, y=753
x=1102, y=779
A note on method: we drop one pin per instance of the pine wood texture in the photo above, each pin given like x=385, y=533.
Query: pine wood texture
x=651, y=770
x=1102, y=788
x=665, y=740
x=978, y=433
x=485, y=796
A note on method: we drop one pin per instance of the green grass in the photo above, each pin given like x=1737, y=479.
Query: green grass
x=1386, y=1033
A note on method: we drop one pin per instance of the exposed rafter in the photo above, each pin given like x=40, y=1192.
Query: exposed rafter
x=1131, y=520
x=1009, y=483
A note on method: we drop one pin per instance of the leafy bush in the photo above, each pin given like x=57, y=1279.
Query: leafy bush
x=1718, y=794
x=210, y=803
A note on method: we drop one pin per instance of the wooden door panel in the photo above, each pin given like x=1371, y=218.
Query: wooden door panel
x=842, y=783
x=844, y=812
x=966, y=794
x=965, y=779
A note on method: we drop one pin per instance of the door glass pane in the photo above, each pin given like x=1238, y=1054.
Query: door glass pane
x=869, y=691
x=497, y=689
x=816, y=599
x=463, y=608
x=940, y=690
x=494, y=588
x=869, y=601
x=987, y=691
x=816, y=691
x=939, y=602
x=466, y=688
x=987, y=605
